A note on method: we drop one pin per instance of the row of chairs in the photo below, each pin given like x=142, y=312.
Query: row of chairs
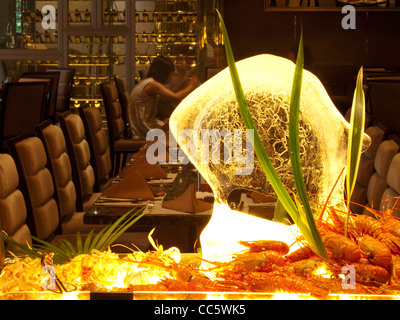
x=38, y=96
x=54, y=172
x=35, y=97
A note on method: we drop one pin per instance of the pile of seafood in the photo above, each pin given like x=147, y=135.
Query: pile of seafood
x=371, y=249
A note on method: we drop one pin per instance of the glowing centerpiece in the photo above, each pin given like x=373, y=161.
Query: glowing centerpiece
x=267, y=84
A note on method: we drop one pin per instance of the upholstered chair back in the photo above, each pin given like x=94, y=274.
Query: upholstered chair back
x=60, y=167
x=79, y=154
x=115, y=125
x=113, y=110
x=124, y=100
x=99, y=146
x=12, y=202
x=37, y=186
x=53, y=78
x=64, y=88
x=22, y=108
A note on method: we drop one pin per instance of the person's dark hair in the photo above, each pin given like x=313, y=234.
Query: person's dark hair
x=160, y=69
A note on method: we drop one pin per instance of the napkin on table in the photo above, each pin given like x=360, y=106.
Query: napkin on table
x=133, y=186
x=146, y=169
x=187, y=202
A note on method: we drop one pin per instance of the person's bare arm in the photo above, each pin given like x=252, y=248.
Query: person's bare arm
x=156, y=88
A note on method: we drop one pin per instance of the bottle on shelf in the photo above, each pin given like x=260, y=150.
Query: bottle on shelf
x=87, y=16
x=78, y=17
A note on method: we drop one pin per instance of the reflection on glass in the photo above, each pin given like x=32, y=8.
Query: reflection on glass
x=79, y=12
x=96, y=59
x=15, y=68
x=22, y=27
x=78, y=17
x=87, y=15
x=114, y=12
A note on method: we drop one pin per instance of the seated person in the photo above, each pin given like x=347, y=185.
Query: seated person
x=144, y=97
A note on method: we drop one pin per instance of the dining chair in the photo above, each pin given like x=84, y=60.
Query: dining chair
x=37, y=186
x=22, y=108
x=12, y=202
x=99, y=147
x=79, y=154
x=53, y=77
x=119, y=145
x=47, y=94
x=64, y=88
x=59, y=165
x=378, y=181
x=134, y=125
x=36, y=183
x=124, y=100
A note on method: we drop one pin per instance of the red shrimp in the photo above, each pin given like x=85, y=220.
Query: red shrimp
x=370, y=272
x=266, y=245
x=390, y=240
x=302, y=253
x=396, y=269
x=341, y=247
x=378, y=251
x=216, y=285
x=178, y=285
x=368, y=225
x=266, y=282
x=392, y=225
x=252, y=261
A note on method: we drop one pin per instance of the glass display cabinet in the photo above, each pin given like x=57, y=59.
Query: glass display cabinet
x=96, y=59
x=29, y=25
x=167, y=28
x=28, y=28
x=185, y=30
x=79, y=13
x=97, y=46
x=104, y=38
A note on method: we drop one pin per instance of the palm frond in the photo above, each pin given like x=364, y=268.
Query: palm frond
x=79, y=247
x=87, y=241
x=65, y=251
x=93, y=244
x=118, y=228
x=19, y=248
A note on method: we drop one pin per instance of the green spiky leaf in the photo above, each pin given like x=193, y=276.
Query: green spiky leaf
x=65, y=251
x=355, y=142
x=310, y=233
x=294, y=148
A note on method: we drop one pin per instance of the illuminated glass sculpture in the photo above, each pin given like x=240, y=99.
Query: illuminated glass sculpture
x=267, y=82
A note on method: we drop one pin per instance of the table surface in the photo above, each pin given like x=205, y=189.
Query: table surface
x=107, y=213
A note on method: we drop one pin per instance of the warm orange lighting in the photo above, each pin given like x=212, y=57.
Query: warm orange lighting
x=219, y=240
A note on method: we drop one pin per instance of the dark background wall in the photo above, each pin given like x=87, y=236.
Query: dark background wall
x=331, y=52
